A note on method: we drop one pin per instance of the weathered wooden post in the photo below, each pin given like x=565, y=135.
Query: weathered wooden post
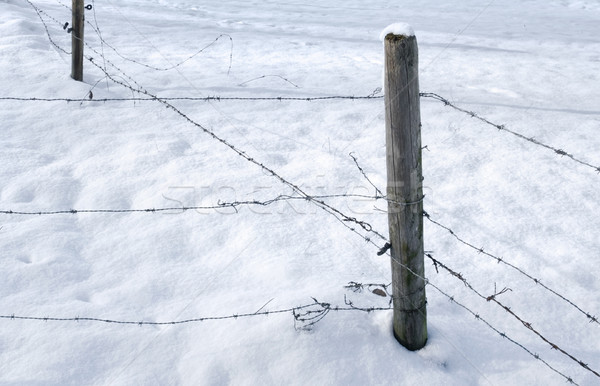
x=405, y=187
x=78, y=11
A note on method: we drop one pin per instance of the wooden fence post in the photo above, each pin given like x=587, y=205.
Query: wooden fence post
x=77, y=40
x=405, y=186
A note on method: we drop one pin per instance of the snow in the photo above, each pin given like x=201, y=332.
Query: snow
x=508, y=62
x=397, y=29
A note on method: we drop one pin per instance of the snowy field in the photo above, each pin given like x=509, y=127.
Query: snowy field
x=532, y=66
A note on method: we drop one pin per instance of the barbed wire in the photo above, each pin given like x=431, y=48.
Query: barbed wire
x=219, y=98
x=473, y=114
x=171, y=67
x=308, y=318
x=494, y=298
x=103, y=42
x=358, y=287
x=380, y=289
x=220, y=205
x=270, y=76
x=39, y=12
x=216, y=98
x=311, y=316
x=305, y=316
x=318, y=202
x=592, y=319
x=340, y=216
x=478, y=317
x=435, y=96
x=98, y=32
x=64, y=5
x=155, y=98
x=344, y=219
x=378, y=193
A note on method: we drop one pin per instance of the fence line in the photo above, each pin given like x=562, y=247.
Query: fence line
x=104, y=42
x=220, y=205
x=446, y=102
x=218, y=98
x=473, y=114
x=592, y=319
x=39, y=12
x=203, y=99
x=435, y=96
x=494, y=298
x=502, y=334
x=343, y=218
x=304, y=314
x=236, y=204
x=305, y=317
x=378, y=193
x=339, y=216
x=385, y=250
x=319, y=203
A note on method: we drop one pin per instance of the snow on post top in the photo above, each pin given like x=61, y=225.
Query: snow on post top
x=397, y=29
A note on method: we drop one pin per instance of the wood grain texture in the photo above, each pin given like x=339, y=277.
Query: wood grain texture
x=77, y=40
x=405, y=189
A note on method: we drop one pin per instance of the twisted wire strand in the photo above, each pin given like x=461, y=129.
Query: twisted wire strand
x=494, y=298
x=500, y=127
x=500, y=260
x=337, y=214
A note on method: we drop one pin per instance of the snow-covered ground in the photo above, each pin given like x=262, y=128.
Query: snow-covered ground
x=531, y=65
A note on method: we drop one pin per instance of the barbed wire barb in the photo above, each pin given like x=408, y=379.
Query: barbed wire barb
x=219, y=205
x=378, y=193
x=213, y=98
x=308, y=314
x=173, y=66
x=473, y=114
x=500, y=260
x=493, y=298
x=41, y=12
x=270, y=76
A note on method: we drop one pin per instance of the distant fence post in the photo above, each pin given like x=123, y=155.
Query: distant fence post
x=405, y=186
x=77, y=40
